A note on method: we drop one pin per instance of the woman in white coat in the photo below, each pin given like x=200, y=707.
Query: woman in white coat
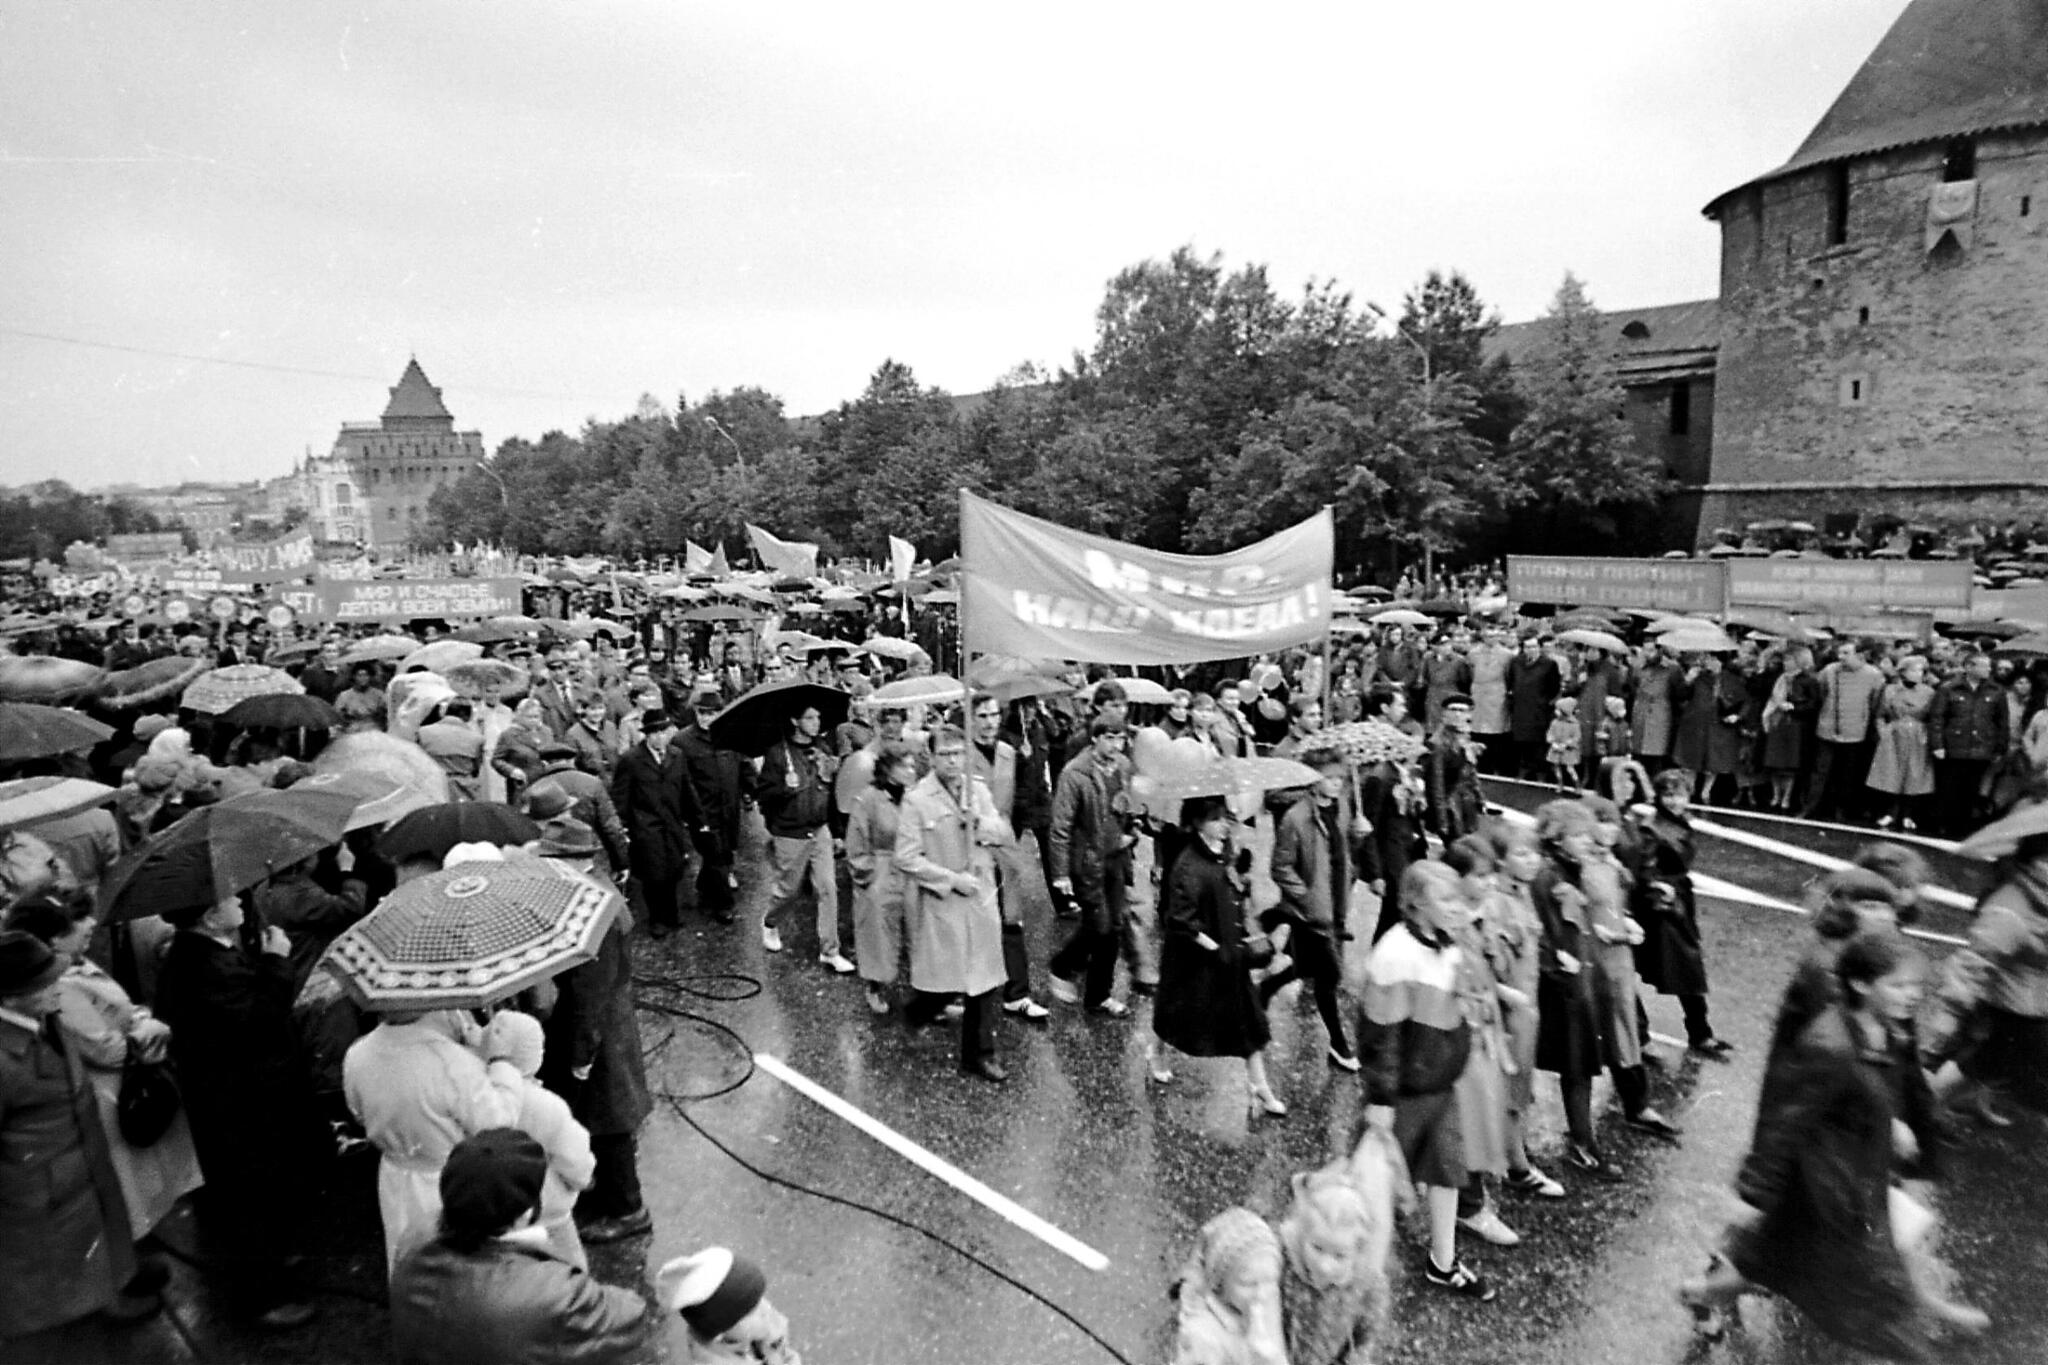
x=419, y=1084
x=946, y=834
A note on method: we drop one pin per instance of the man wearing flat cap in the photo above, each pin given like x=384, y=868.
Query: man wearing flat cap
x=1450, y=775
x=488, y=1290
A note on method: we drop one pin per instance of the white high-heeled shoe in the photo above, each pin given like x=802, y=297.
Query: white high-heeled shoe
x=1264, y=1100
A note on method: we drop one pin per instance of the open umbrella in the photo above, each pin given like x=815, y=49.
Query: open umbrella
x=758, y=719
x=1699, y=640
x=1143, y=691
x=1594, y=639
x=379, y=649
x=487, y=633
x=1581, y=618
x=289, y=651
x=890, y=647
x=282, y=711
x=474, y=675
x=1226, y=777
x=1442, y=606
x=220, y=849
x=217, y=691
x=1366, y=742
x=1671, y=623
x=990, y=668
x=431, y=831
x=30, y=730
x=399, y=762
x=39, y=677
x=2033, y=644
x=28, y=800
x=441, y=656
x=1401, y=616
x=525, y=625
x=150, y=682
x=936, y=690
x=1371, y=590
x=379, y=799
x=716, y=613
x=472, y=935
x=1017, y=686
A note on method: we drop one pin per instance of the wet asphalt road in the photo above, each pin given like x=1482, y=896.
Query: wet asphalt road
x=921, y=1273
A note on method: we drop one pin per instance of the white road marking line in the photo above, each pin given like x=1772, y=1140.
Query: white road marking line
x=1777, y=817
x=1955, y=900
x=917, y=1156
x=1742, y=895
x=1667, y=1039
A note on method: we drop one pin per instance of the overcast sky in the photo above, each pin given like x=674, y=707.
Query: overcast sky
x=559, y=207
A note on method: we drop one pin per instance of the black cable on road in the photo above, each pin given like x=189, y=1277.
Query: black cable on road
x=679, y=1105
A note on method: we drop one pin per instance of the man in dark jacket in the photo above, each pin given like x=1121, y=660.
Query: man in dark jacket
x=1534, y=681
x=795, y=796
x=723, y=781
x=1967, y=731
x=1449, y=777
x=1394, y=809
x=1313, y=847
x=560, y=789
x=488, y=1291
x=1091, y=855
x=659, y=809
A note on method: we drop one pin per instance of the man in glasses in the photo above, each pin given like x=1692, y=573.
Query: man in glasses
x=1092, y=840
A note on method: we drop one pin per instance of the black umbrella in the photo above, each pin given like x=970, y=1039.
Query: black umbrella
x=1442, y=606
x=29, y=730
x=754, y=723
x=220, y=849
x=282, y=711
x=431, y=831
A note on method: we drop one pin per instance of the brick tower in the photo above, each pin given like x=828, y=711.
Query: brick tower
x=1884, y=294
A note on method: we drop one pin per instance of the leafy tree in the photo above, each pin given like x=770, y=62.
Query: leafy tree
x=915, y=494
x=1573, y=447
x=894, y=412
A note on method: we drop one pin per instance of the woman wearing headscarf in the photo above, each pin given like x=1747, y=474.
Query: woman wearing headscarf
x=879, y=906
x=1792, y=702
x=1228, y=1295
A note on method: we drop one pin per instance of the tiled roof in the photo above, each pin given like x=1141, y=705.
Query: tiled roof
x=1649, y=343
x=414, y=397
x=1947, y=68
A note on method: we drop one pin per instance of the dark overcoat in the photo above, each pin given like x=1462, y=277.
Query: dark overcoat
x=65, y=1249
x=1207, y=1005
x=655, y=800
x=1669, y=959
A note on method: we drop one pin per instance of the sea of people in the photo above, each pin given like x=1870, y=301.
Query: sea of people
x=939, y=816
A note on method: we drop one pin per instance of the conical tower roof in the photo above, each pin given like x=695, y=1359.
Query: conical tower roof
x=1947, y=69
x=413, y=399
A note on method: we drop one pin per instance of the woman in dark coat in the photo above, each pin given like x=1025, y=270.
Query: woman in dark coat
x=1791, y=702
x=262, y=1144
x=1568, y=1037
x=1834, y=1118
x=1696, y=713
x=1731, y=729
x=1670, y=959
x=1207, y=1006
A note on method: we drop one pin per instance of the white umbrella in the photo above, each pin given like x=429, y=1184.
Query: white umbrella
x=1143, y=691
x=1401, y=616
x=936, y=690
x=1595, y=639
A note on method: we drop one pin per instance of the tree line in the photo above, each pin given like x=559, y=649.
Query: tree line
x=1210, y=411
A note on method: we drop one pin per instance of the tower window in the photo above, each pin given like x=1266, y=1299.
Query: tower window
x=1854, y=390
x=1959, y=160
x=1863, y=314
x=1681, y=408
x=1838, y=203
x=2026, y=205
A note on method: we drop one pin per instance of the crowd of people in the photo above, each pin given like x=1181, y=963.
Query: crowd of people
x=1493, y=950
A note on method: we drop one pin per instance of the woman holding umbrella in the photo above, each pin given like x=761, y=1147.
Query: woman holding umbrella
x=261, y=1143
x=1207, y=1005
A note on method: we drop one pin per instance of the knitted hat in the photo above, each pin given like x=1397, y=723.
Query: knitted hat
x=518, y=1038
x=149, y=727
x=490, y=1179
x=26, y=963
x=712, y=1290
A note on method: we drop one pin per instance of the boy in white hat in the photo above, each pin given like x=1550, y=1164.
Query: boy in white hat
x=723, y=1301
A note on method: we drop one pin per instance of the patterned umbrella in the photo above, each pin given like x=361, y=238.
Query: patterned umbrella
x=442, y=655
x=1366, y=742
x=379, y=649
x=282, y=711
x=432, y=830
x=1230, y=777
x=220, y=849
x=150, y=682
x=28, y=730
x=219, y=690
x=471, y=677
x=38, y=677
x=469, y=937
x=30, y=799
